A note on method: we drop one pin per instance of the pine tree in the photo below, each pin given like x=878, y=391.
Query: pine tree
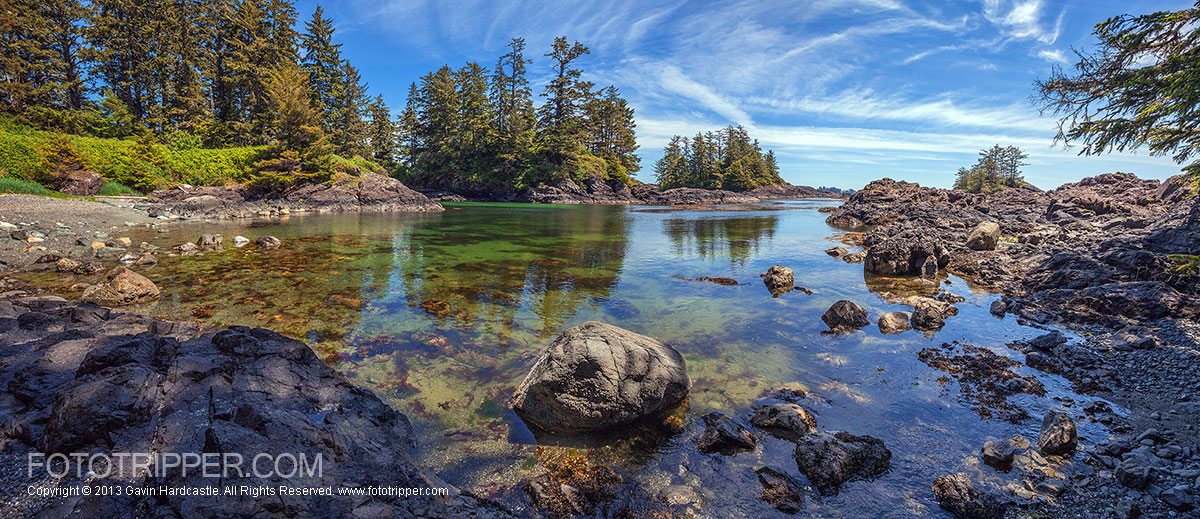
x=382, y=133
x=611, y=133
x=323, y=63
x=299, y=151
x=560, y=117
x=122, y=35
x=65, y=50
x=348, y=131
x=438, y=125
x=408, y=127
x=474, y=136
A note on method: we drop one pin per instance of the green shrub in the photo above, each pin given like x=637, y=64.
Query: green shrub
x=114, y=188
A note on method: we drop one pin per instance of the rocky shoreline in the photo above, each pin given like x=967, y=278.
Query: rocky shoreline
x=1092, y=257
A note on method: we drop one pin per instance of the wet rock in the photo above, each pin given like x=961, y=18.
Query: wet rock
x=186, y=249
x=785, y=421
x=998, y=454
x=929, y=314
x=998, y=308
x=985, y=236
x=829, y=460
x=779, y=280
x=1133, y=473
x=780, y=490
x=79, y=267
x=845, y=315
x=855, y=257
x=957, y=495
x=907, y=253
x=894, y=322
x=1049, y=341
x=1179, y=498
x=724, y=435
x=1058, y=436
x=240, y=241
x=837, y=252
x=121, y=287
x=268, y=243
x=597, y=375
x=210, y=243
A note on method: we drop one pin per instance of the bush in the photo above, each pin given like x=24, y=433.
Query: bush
x=114, y=188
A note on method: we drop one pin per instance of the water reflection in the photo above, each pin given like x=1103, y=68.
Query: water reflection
x=737, y=237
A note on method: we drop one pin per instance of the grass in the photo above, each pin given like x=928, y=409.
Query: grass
x=25, y=187
x=114, y=188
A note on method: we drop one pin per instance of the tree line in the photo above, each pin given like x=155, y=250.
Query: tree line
x=996, y=169
x=724, y=159
x=231, y=73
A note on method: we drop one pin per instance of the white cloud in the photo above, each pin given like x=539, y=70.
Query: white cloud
x=1053, y=56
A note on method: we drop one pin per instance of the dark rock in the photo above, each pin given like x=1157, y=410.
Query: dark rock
x=785, y=421
x=780, y=490
x=724, y=435
x=957, y=494
x=779, y=280
x=76, y=183
x=837, y=252
x=1133, y=473
x=894, y=322
x=855, y=257
x=597, y=375
x=845, y=315
x=998, y=454
x=1058, y=436
x=929, y=314
x=829, y=460
x=998, y=308
x=1049, y=341
x=906, y=254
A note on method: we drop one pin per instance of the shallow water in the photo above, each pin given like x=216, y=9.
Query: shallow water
x=443, y=314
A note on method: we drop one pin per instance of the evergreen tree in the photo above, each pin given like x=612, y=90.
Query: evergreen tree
x=323, y=64
x=65, y=51
x=611, y=133
x=474, y=136
x=514, y=114
x=724, y=159
x=123, y=36
x=438, y=125
x=299, y=151
x=382, y=133
x=560, y=117
x=408, y=127
x=348, y=131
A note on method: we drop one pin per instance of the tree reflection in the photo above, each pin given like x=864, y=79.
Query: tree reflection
x=738, y=238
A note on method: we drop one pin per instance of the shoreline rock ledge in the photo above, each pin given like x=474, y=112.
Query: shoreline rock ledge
x=596, y=375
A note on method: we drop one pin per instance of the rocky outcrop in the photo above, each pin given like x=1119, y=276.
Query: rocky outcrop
x=909, y=253
x=370, y=192
x=121, y=287
x=596, y=375
x=844, y=316
x=597, y=191
x=985, y=236
x=92, y=379
x=829, y=460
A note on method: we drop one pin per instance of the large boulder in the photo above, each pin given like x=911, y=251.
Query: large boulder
x=828, y=460
x=1059, y=436
x=845, y=315
x=77, y=183
x=268, y=242
x=121, y=287
x=908, y=253
x=957, y=494
x=779, y=280
x=596, y=375
x=985, y=236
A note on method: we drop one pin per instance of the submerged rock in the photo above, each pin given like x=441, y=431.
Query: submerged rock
x=210, y=243
x=894, y=322
x=779, y=280
x=268, y=242
x=1058, y=436
x=930, y=314
x=724, y=435
x=829, y=460
x=845, y=315
x=785, y=421
x=985, y=236
x=780, y=490
x=121, y=287
x=837, y=252
x=597, y=375
x=957, y=494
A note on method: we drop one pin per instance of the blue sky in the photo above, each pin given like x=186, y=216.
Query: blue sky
x=844, y=91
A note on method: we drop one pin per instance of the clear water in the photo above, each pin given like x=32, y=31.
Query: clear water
x=443, y=314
